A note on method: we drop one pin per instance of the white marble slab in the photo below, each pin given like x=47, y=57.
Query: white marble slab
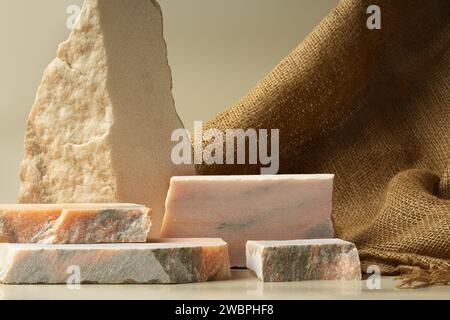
x=74, y=223
x=300, y=260
x=241, y=208
x=164, y=261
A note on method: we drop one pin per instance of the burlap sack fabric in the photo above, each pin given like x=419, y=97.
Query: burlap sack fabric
x=373, y=107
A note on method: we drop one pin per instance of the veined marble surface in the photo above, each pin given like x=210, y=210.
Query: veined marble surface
x=167, y=261
x=241, y=208
x=297, y=260
x=74, y=223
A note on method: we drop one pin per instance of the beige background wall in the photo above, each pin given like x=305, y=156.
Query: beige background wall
x=218, y=50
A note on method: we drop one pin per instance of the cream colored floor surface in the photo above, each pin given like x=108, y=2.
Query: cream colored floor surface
x=242, y=286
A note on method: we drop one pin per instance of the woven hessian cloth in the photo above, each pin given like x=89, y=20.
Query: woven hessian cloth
x=372, y=107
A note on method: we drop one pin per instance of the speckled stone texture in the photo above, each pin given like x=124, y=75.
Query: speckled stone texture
x=100, y=127
x=241, y=208
x=166, y=261
x=299, y=260
x=74, y=223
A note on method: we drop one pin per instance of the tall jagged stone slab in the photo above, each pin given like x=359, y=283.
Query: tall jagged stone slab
x=100, y=128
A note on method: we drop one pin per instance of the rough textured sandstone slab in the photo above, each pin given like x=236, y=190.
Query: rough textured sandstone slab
x=241, y=208
x=298, y=260
x=74, y=223
x=100, y=128
x=165, y=261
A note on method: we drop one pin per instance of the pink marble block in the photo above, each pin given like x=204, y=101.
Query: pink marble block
x=241, y=208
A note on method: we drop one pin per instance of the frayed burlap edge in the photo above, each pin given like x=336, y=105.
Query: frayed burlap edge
x=415, y=277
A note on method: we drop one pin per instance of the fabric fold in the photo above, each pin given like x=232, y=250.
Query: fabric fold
x=372, y=107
